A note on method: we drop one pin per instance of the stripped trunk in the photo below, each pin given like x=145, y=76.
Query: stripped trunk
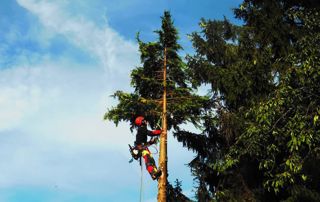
x=162, y=182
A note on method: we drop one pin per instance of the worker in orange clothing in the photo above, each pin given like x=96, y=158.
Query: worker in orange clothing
x=141, y=146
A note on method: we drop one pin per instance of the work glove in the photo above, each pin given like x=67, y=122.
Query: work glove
x=156, y=132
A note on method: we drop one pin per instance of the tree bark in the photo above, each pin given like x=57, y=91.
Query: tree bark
x=162, y=182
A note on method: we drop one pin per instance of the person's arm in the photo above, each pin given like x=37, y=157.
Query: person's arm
x=153, y=133
x=154, y=136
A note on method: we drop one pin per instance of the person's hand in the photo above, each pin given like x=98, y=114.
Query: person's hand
x=156, y=132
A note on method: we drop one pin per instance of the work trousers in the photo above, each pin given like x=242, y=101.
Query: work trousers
x=149, y=161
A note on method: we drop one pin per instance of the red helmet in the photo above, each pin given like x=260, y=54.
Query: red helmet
x=139, y=120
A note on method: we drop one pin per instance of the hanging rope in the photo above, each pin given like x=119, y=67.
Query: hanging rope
x=141, y=181
x=141, y=178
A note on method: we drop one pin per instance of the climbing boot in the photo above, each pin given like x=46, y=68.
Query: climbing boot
x=156, y=174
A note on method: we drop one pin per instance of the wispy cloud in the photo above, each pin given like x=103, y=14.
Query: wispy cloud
x=104, y=44
x=44, y=82
x=51, y=108
x=20, y=97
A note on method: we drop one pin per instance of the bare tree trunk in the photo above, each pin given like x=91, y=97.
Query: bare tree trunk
x=162, y=182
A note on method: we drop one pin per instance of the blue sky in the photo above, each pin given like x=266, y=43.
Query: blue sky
x=59, y=62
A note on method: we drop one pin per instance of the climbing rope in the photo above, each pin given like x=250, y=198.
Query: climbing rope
x=141, y=181
x=155, y=148
x=158, y=124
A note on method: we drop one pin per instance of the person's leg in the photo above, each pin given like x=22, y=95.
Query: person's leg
x=150, y=164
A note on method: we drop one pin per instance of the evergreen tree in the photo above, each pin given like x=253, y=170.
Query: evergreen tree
x=147, y=81
x=260, y=140
x=174, y=193
x=282, y=132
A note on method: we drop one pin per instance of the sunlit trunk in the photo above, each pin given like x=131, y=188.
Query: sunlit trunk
x=162, y=182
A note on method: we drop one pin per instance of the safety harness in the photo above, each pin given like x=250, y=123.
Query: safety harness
x=136, y=151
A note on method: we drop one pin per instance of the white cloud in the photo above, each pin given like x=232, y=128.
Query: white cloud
x=19, y=96
x=105, y=44
x=53, y=118
x=37, y=79
x=60, y=103
x=55, y=107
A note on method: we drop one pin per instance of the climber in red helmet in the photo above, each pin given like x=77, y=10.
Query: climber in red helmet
x=141, y=146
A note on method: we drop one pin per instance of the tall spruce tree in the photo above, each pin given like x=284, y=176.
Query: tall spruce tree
x=282, y=133
x=148, y=83
x=260, y=140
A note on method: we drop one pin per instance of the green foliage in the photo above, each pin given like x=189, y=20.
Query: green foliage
x=262, y=138
x=283, y=131
x=147, y=81
x=175, y=193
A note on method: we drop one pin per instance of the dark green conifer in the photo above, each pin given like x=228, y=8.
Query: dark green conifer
x=260, y=139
